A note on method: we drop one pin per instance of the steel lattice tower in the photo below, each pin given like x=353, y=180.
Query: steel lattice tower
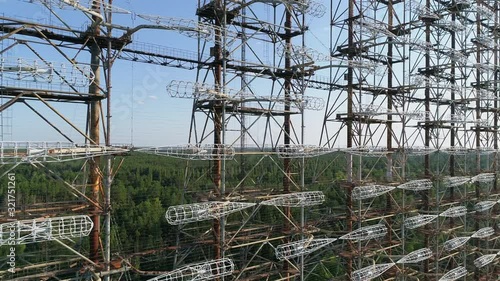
x=40, y=84
x=240, y=92
x=411, y=90
x=414, y=87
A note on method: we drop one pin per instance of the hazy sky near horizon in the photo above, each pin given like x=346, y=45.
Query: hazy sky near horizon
x=142, y=111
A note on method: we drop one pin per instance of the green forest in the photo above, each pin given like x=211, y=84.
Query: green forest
x=144, y=186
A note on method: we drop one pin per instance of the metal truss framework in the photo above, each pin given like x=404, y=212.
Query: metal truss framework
x=406, y=81
x=421, y=87
x=37, y=82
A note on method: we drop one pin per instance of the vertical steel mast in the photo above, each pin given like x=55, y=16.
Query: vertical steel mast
x=94, y=134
